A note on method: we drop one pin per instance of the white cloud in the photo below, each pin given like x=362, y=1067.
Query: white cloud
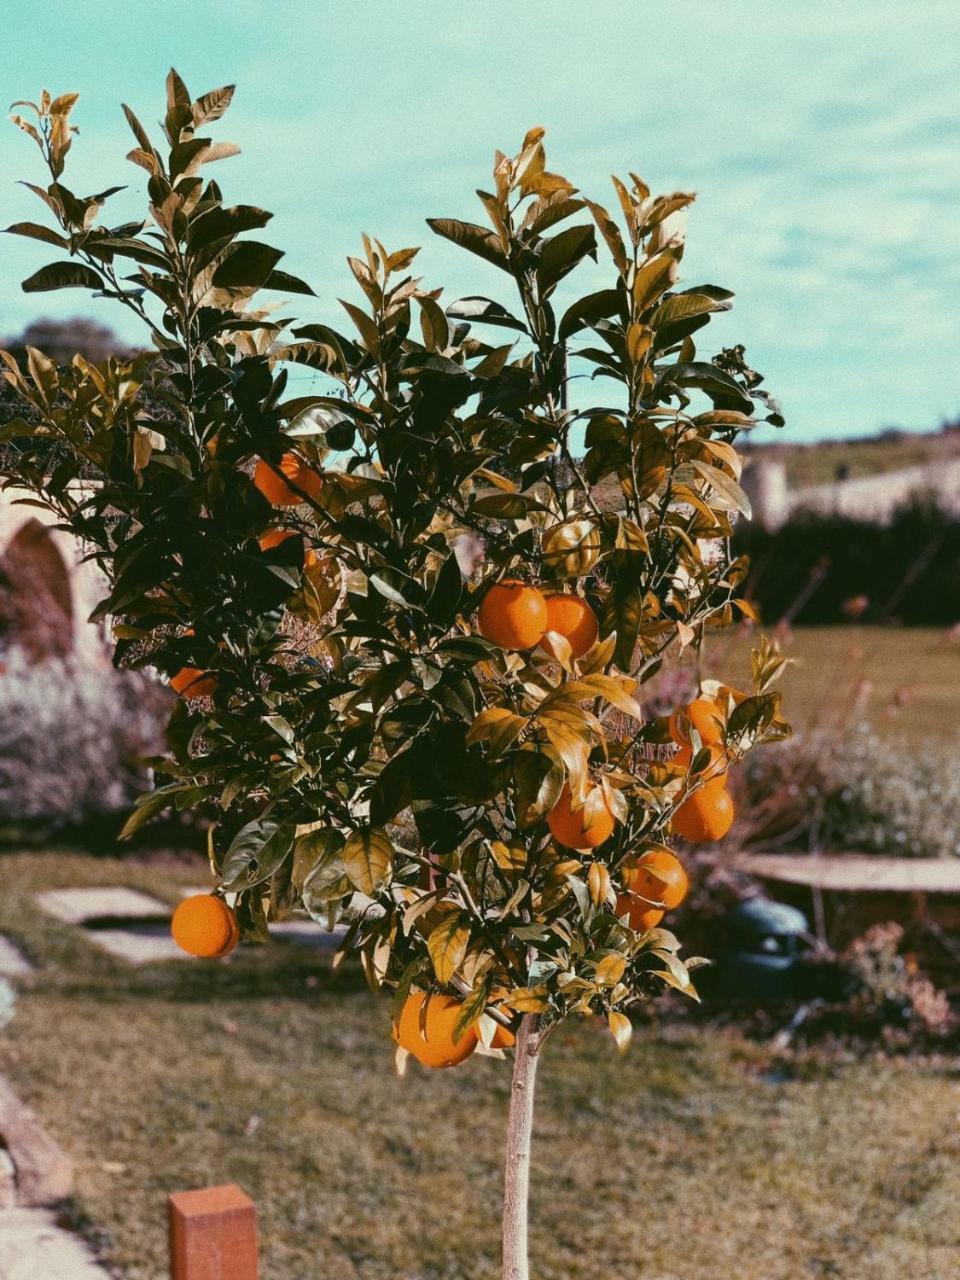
x=822, y=138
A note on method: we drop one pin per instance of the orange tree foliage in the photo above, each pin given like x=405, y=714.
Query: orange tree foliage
x=365, y=752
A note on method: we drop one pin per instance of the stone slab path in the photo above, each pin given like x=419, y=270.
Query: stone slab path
x=13, y=964
x=135, y=927
x=33, y=1247
x=76, y=906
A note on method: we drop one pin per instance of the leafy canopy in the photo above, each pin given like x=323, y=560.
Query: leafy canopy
x=364, y=752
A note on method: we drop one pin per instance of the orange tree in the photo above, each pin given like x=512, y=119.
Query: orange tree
x=407, y=629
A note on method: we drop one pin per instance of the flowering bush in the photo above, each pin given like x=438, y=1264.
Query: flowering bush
x=72, y=739
x=855, y=792
x=889, y=985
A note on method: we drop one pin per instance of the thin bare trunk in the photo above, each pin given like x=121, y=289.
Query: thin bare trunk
x=516, y=1181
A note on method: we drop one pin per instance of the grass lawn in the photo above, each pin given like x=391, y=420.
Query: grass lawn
x=905, y=681
x=817, y=463
x=684, y=1159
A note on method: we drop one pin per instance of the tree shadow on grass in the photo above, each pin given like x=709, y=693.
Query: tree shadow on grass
x=278, y=970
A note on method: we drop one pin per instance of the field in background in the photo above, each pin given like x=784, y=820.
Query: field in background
x=809, y=464
x=904, y=682
x=695, y=1155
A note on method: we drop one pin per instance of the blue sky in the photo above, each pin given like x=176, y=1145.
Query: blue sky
x=823, y=140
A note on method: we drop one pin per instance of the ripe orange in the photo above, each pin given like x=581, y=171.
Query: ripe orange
x=513, y=615
x=205, y=926
x=658, y=875
x=503, y=1038
x=572, y=617
x=573, y=829
x=716, y=769
x=191, y=682
x=705, y=716
x=273, y=537
x=296, y=471
x=640, y=915
x=705, y=815
x=434, y=1045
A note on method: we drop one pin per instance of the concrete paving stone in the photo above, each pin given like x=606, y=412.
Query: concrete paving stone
x=13, y=964
x=146, y=939
x=75, y=906
x=138, y=946
x=8, y=1181
x=306, y=933
x=33, y=1247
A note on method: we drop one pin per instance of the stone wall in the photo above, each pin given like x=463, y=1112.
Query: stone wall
x=873, y=498
x=47, y=590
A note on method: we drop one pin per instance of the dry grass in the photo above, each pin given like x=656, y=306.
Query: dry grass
x=817, y=463
x=904, y=681
x=684, y=1159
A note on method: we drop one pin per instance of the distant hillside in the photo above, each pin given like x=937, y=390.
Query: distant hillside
x=822, y=462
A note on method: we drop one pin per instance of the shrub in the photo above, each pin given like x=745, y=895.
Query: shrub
x=907, y=570
x=855, y=792
x=889, y=986
x=425, y=688
x=72, y=739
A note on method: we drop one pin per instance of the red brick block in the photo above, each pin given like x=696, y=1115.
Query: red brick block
x=213, y=1235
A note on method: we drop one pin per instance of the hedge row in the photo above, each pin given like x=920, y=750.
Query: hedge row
x=820, y=570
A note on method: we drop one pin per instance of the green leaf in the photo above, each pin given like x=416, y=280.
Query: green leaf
x=447, y=944
x=368, y=858
x=62, y=275
x=483, y=311
x=327, y=883
x=148, y=807
x=37, y=232
x=595, y=306
x=478, y=240
x=562, y=253
x=255, y=853
x=311, y=849
x=247, y=266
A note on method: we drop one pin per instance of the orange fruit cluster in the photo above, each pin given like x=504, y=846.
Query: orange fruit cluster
x=203, y=925
x=296, y=479
x=425, y=1026
x=706, y=814
x=656, y=883
x=191, y=682
x=515, y=615
x=584, y=828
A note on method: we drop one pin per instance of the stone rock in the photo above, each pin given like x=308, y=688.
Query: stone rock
x=33, y=1247
x=77, y=906
x=44, y=1174
x=13, y=964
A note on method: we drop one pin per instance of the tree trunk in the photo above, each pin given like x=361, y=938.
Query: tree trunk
x=516, y=1181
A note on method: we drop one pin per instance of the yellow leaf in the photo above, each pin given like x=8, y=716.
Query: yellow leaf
x=598, y=883
x=621, y=1028
x=610, y=969
x=448, y=944
x=527, y=1000
x=497, y=726
x=367, y=858
x=571, y=549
